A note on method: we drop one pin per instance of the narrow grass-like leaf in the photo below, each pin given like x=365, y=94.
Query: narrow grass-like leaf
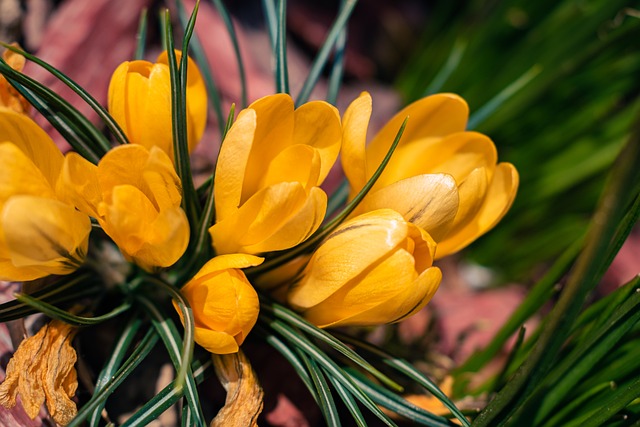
x=169, y=395
x=226, y=18
x=296, y=321
x=207, y=74
x=497, y=101
x=338, y=198
x=116, y=355
x=137, y=356
x=73, y=126
x=271, y=22
x=397, y=404
x=179, y=122
x=290, y=355
x=337, y=68
x=539, y=295
x=57, y=313
x=587, y=272
x=113, y=126
x=178, y=352
x=451, y=64
x=325, y=398
x=349, y=402
x=499, y=380
x=319, y=235
x=300, y=342
x=408, y=370
x=282, y=72
x=323, y=55
x=141, y=35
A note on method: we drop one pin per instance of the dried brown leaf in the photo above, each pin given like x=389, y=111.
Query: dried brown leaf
x=244, y=395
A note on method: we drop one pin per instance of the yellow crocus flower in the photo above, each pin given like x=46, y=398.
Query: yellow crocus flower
x=375, y=268
x=135, y=195
x=9, y=97
x=140, y=101
x=269, y=170
x=225, y=305
x=441, y=177
x=39, y=234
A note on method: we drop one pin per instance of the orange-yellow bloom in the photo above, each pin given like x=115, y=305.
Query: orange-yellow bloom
x=140, y=101
x=373, y=269
x=225, y=305
x=39, y=234
x=270, y=167
x=441, y=177
x=135, y=195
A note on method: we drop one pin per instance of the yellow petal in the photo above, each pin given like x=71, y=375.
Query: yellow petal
x=348, y=252
x=428, y=201
x=232, y=163
x=45, y=234
x=78, y=184
x=273, y=133
x=165, y=240
x=433, y=116
x=472, y=193
x=123, y=165
x=19, y=175
x=297, y=163
x=299, y=226
x=156, y=120
x=34, y=142
x=223, y=262
x=215, y=342
x=463, y=152
x=499, y=198
x=267, y=213
x=317, y=124
x=117, y=96
x=162, y=180
x=355, y=123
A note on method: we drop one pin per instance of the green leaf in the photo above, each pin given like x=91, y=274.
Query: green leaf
x=451, y=64
x=271, y=21
x=141, y=36
x=349, y=402
x=325, y=398
x=323, y=55
x=56, y=313
x=112, y=125
x=179, y=352
x=281, y=72
x=139, y=354
x=337, y=69
x=296, y=321
x=116, y=355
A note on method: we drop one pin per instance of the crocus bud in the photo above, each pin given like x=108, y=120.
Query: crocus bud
x=441, y=177
x=135, y=194
x=140, y=101
x=268, y=174
x=373, y=269
x=40, y=234
x=225, y=305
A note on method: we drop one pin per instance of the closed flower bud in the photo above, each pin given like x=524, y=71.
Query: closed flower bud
x=373, y=269
x=441, y=177
x=140, y=101
x=39, y=233
x=270, y=167
x=135, y=195
x=225, y=305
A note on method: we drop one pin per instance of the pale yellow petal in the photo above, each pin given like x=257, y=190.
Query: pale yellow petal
x=232, y=163
x=34, y=142
x=428, y=201
x=355, y=123
x=45, y=234
x=348, y=252
x=499, y=198
x=472, y=193
x=317, y=124
x=433, y=116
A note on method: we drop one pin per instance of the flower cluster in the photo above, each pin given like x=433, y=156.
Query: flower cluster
x=441, y=190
